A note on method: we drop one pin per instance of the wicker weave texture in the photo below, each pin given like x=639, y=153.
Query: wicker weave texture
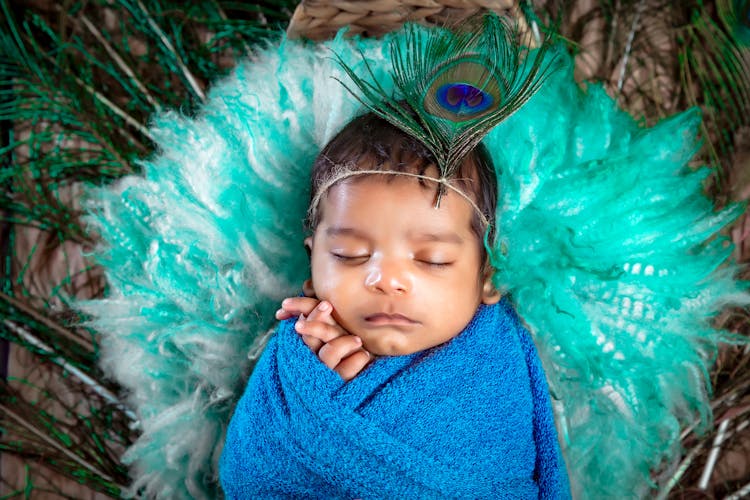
x=321, y=19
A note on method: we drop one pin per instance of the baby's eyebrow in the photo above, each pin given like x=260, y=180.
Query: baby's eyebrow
x=345, y=231
x=447, y=237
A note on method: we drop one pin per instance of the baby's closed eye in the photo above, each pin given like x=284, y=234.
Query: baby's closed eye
x=434, y=259
x=434, y=263
x=351, y=258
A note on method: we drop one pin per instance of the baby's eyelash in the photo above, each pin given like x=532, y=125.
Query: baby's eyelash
x=435, y=264
x=349, y=258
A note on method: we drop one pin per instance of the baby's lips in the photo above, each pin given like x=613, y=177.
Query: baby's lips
x=386, y=319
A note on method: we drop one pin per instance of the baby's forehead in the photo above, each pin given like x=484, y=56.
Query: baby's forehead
x=466, y=183
x=364, y=184
x=400, y=196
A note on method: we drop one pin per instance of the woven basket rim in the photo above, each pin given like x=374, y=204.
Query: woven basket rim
x=322, y=19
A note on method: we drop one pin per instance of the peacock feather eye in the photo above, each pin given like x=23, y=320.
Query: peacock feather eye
x=450, y=96
x=463, y=98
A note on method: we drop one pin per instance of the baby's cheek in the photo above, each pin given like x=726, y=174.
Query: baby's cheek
x=342, y=315
x=325, y=291
x=330, y=281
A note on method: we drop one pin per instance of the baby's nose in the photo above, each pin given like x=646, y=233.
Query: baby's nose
x=388, y=277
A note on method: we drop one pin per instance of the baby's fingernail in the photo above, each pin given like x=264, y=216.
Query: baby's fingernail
x=324, y=306
x=357, y=340
x=279, y=312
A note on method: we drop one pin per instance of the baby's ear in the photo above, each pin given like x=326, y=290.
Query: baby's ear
x=490, y=294
x=308, y=289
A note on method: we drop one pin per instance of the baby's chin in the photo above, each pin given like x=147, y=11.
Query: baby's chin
x=387, y=342
x=382, y=342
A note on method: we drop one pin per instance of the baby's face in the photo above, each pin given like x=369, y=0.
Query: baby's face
x=401, y=274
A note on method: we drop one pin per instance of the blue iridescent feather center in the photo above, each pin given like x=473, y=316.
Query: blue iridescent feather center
x=463, y=99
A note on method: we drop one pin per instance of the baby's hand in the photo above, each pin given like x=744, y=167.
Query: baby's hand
x=336, y=348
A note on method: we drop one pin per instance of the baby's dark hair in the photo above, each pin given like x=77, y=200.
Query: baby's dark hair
x=371, y=143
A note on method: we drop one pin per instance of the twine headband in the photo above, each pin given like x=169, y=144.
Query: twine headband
x=343, y=173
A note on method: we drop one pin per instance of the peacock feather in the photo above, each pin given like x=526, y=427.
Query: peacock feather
x=453, y=86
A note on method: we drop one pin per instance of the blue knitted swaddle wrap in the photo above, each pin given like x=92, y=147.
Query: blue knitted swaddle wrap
x=470, y=418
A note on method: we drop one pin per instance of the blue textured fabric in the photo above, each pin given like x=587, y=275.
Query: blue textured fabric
x=470, y=418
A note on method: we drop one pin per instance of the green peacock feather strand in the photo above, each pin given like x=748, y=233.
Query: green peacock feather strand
x=736, y=14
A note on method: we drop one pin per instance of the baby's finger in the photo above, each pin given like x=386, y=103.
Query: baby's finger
x=322, y=312
x=353, y=364
x=321, y=331
x=281, y=315
x=337, y=349
x=313, y=343
x=296, y=306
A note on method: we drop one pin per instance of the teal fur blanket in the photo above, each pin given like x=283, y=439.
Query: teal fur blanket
x=468, y=419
